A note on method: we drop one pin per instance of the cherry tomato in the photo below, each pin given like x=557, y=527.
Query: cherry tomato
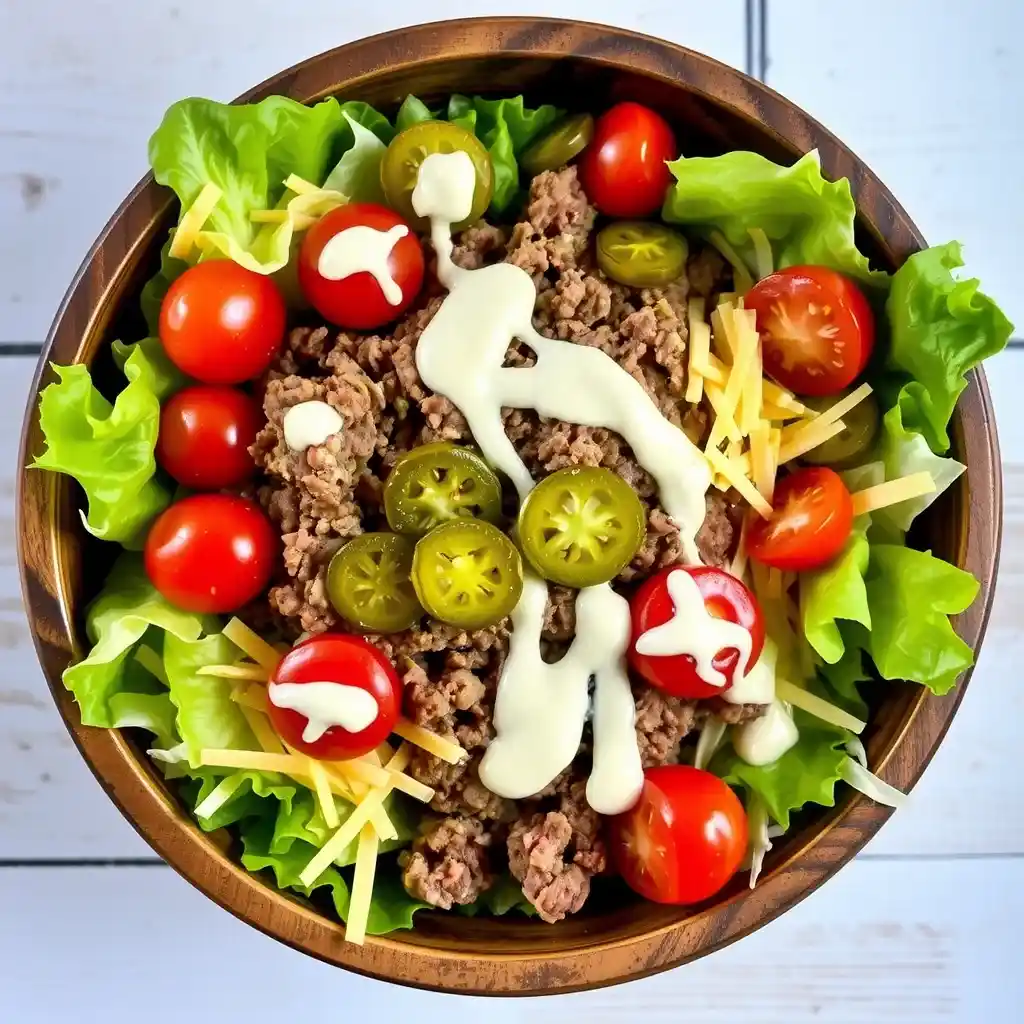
x=221, y=323
x=346, y=663
x=359, y=299
x=211, y=552
x=624, y=171
x=683, y=839
x=725, y=597
x=205, y=434
x=812, y=518
x=817, y=329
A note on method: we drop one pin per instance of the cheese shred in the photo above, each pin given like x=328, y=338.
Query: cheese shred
x=252, y=644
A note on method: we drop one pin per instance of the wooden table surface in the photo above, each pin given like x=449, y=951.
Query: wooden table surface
x=922, y=927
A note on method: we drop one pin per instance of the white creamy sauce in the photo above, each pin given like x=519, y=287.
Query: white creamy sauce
x=540, y=708
x=693, y=630
x=461, y=352
x=361, y=249
x=325, y=705
x=758, y=685
x=767, y=738
x=309, y=424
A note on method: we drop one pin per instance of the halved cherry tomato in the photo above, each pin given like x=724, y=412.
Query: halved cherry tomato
x=205, y=434
x=221, y=323
x=211, y=552
x=811, y=521
x=725, y=597
x=374, y=289
x=432, y=483
x=368, y=583
x=467, y=573
x=817, y=329
x=581, y=526
x=624, y=170
x=683, y=839
x=332, y=666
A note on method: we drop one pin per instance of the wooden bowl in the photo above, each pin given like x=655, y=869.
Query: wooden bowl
x=714, y=108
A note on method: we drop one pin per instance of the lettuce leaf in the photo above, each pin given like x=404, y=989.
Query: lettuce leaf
x=506, y=127
x=806, y=218
x=391, y=907
x=357, y=174
x=911, y=594
x=940, y=329
x=504, y=895
x=841, y=680
x=108, y=448
x=835, y=592
x=806, y=774
x=115, y=622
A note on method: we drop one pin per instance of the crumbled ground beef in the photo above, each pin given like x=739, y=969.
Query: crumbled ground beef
x=735, y=714
x=449, y=863
x=330, y=493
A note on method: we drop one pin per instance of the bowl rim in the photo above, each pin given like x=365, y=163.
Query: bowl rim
x=47, y=577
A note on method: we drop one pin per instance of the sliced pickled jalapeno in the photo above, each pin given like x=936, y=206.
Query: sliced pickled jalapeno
x=581, y=526
x=369, y=585
x=555, y=148
x=467, y=573
x=854, y=440
x=640, y=254
x=436, y=482
x=400, y=166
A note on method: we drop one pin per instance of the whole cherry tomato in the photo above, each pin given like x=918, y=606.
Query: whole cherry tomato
x=624, y=170
x=211, y=552
x=725, y=597
x=683, y=839
x=811, y=520
x=221, y=323
x=334, y=697
x=205, y=434
x=361, y=266
x=817, y=329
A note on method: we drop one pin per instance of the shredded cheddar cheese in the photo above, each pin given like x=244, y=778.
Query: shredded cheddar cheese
x=252, y=645
x=914, y=485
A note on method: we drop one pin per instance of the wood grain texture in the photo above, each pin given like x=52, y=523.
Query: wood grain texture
x=719, y=109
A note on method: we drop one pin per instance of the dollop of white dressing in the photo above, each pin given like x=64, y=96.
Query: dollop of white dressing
x=540, y=708
x=693, y=630
x=309, y=424
x=758, y=685
x=766, y=739
x=362, y=249
x=326, y=705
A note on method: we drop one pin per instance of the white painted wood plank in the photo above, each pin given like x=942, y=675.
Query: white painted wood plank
x=884, y=942
x=929, y=93
x=82, y=86
x=967, y=802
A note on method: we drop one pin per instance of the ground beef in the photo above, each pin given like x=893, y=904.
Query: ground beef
x=324, y=496
x=449, y=863
x=662, y=723
x=735, y=714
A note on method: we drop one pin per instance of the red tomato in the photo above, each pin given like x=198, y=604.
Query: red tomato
x=205, y=434
x=221, y=323
x=357, y=300
x=812, y=518
x=623, y=170
x=211, y=552
x=683, y=839
x=817, y=329
x=335, y=658
x=725, y=597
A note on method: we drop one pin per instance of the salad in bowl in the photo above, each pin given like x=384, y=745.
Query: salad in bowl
x=509, y=500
